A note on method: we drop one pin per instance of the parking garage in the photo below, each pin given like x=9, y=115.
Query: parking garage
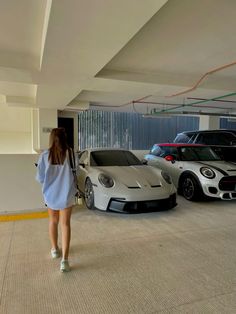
x=160, y=61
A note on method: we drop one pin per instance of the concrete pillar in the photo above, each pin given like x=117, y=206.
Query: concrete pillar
x=43, y=121
x=209, y=123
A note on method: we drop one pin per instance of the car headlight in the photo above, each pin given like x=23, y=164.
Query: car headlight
x=166, y=177
x=207, y=172
x=105, y=180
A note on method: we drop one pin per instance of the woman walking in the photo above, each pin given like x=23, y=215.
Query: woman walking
x=55, y=174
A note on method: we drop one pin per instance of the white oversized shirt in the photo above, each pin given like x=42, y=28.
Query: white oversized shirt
x=57, y=181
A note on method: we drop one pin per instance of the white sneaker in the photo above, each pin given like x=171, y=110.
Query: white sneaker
x=55, y=253
x=65, y=267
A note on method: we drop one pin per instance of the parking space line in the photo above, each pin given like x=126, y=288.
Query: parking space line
x=23, y=216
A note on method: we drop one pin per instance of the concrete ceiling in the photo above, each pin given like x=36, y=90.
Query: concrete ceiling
x=151, y=57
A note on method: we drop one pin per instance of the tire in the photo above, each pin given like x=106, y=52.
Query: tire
x=191, y=189
x=89, y=194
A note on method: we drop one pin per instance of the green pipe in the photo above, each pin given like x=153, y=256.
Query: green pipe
x=153, y=111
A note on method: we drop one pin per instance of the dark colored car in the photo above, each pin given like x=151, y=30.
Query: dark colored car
x=222, y=137
x=222, y=141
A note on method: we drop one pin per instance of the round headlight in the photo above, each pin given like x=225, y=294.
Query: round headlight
x=105, y=180
x=207, y=172
x=166, y=177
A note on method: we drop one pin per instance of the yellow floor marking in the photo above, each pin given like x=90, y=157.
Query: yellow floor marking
x=23, y=216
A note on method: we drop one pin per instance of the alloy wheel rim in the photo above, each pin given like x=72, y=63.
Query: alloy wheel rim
x=89, y=194
x=188, y=188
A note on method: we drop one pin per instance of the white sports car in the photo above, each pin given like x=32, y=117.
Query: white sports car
x=116, y=180
x=196, y=170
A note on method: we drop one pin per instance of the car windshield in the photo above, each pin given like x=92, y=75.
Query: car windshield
x=114, y=158
x=198, y=153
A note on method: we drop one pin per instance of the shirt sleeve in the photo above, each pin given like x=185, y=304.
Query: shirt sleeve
x=40, y=170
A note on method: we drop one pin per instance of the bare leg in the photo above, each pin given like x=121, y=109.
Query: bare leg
x=65, y=216
x=53, y=227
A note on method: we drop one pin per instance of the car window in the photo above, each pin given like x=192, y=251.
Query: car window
x=227, y=153
x=169, y=150
x=198, y=154
x=182, y=138
x=114, y=158
x=162, y=151
x=156, y=150
x=216, y=138
x=185, y=138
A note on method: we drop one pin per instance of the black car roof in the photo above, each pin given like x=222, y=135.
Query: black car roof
x=179, y=145
x=208, y=131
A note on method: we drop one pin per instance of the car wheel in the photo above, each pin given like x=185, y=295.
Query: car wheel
x=191, y=189
x=89, y=194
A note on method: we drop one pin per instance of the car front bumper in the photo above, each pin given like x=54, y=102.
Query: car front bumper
x=119, y=205
x=224, y=189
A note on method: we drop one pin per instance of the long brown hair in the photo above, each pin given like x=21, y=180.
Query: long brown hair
x=57, y=146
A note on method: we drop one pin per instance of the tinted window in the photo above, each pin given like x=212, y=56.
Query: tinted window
x=169, y=150
x=162, y=151
x=227, y=153
x=198, y=154
x=156, y=150
x=216, y=138
x=114, y=158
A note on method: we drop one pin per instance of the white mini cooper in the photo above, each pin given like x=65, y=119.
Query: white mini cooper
x=196, y=170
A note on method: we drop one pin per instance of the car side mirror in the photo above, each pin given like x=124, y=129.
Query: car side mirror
x=170, y=158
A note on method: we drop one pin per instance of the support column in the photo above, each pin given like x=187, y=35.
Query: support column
x=43, y=121
x=209, y=123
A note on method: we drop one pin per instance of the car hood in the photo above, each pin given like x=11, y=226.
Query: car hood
x=134, y=176
x=225, y=166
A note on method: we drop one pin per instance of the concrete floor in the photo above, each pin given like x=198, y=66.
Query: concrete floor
x=179, y=261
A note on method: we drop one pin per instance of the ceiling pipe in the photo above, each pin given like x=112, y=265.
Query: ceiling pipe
x=168, y=104
x=190, y=89
x=197, y=98
x=194, y=103
x=180, y=113
x=203, y=77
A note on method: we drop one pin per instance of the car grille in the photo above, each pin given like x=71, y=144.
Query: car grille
x=134, y=187
x=228, y=183
x=139, y=187
x=120, y=205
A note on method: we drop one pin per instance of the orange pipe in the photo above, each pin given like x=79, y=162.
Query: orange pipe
x=202, y=78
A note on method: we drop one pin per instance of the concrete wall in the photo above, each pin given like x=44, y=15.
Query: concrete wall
x=22, y=130
x=19, y=191
x=43, y=121
x=15, y=130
